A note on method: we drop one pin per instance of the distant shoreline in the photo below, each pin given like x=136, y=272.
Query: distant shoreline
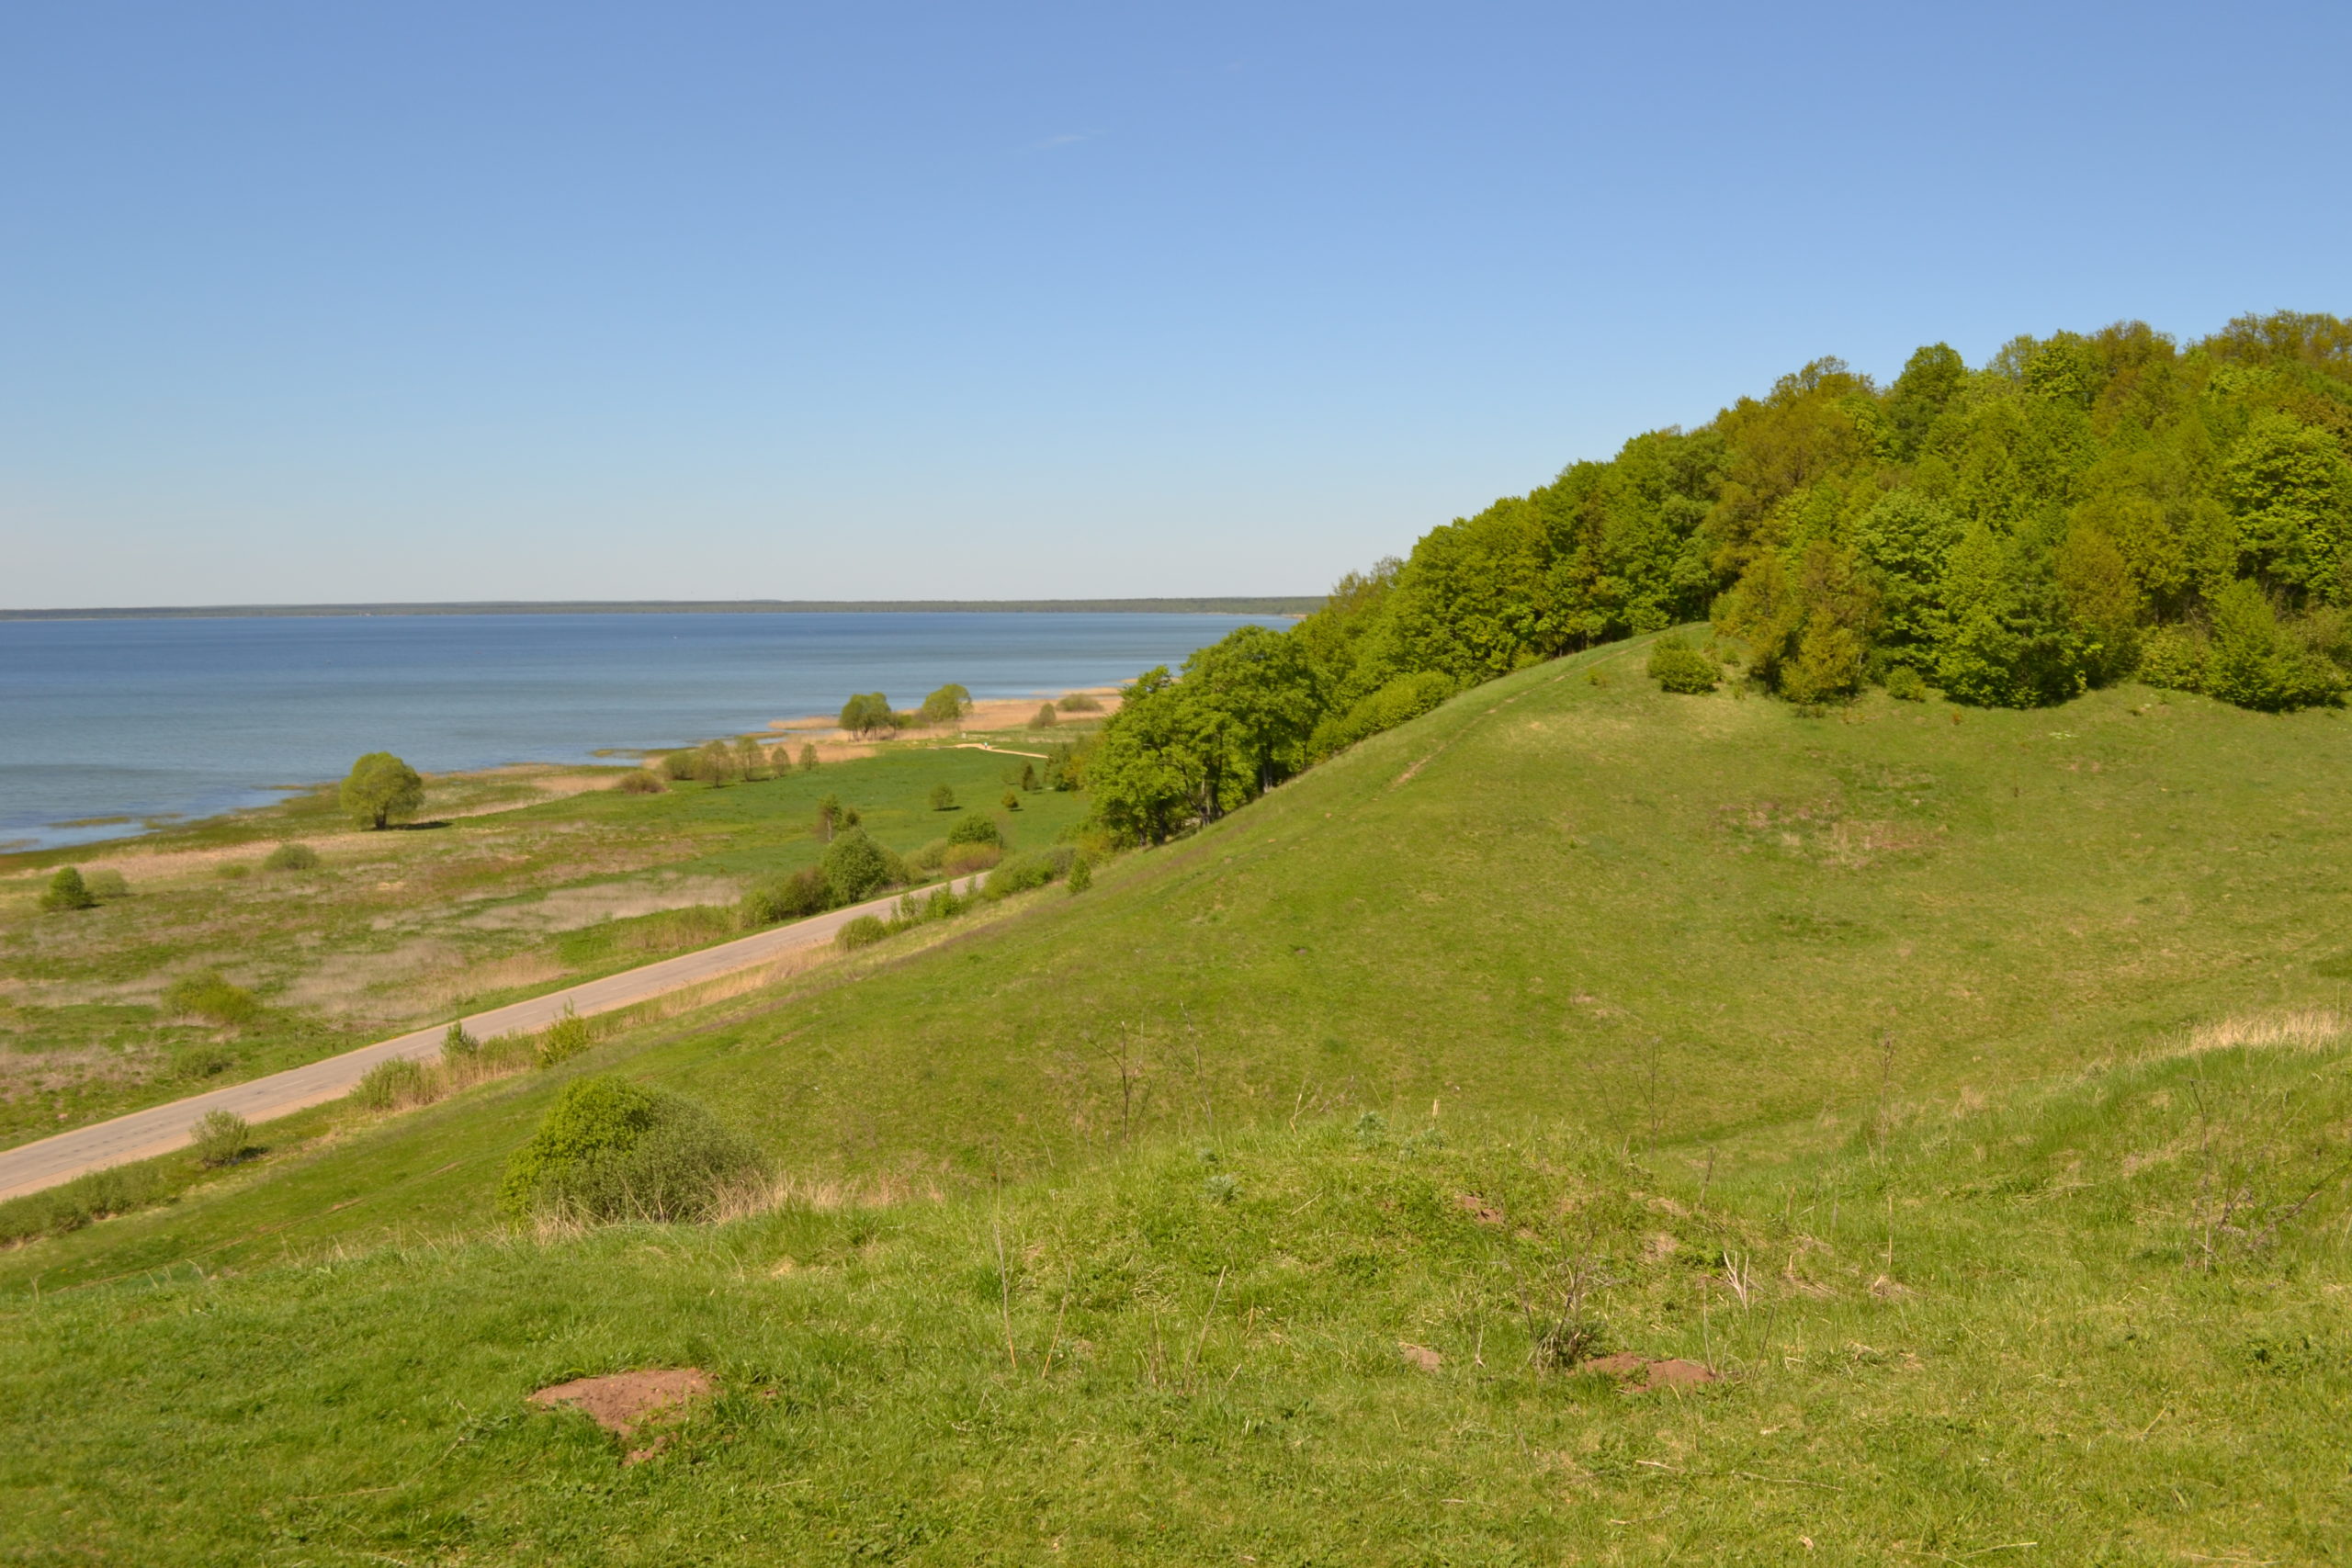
x=1276, y=606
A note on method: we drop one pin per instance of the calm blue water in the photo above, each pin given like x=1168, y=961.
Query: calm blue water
x=141, y=718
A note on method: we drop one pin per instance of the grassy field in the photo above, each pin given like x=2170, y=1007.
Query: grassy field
x=1968, y=1089
x=512, y=884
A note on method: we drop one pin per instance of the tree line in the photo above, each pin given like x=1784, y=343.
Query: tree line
x=2082, y=509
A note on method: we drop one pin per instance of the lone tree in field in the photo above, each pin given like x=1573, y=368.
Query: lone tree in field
x=942, y=797
x=1047, y=718
x=808, y=757
x=945, y=706
x=381, y=787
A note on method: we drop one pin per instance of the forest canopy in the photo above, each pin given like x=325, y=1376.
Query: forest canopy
x=2082, y=509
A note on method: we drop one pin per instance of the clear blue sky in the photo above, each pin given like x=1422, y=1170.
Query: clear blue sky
x=439, y=301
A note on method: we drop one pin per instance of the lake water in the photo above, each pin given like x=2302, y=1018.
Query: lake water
x=149, y=718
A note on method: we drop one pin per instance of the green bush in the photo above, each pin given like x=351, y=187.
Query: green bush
x=1676, y=666
x=233, y=871
x=457, y=1044
x=640, y=780
x=203, y=1061
x=943, y=798
x=862, y=932
x=1082, y=875
x=1045, y=718
x=807, y=756
x=1905, y=684
x=609, y=1149
x=66, y=890
x=1011, y=800
x=291, y=857
x=1079, y=702
x=789, y=897
x=70, y=1205
x=2172, y=658
x=963, y=860
x=1406, y=697
x=208, y=995
x=106, y=883
x=563, y=1039
x=977, y=830
x=390, y=1086
x=2250, y=662
x=218, y=1138
x=854, y=866
x=680, y=765
x=1024, y=872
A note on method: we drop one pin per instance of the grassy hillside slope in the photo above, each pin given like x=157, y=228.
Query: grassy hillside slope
x=1972, y=1093
x=1651, y=917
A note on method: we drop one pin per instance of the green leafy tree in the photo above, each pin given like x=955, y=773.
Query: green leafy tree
x=868, y=714
x=381, y=789
x=1045, y=718
x=2289, y=489
x=942, y=797
x=1259, y=682
x=1905, y=541
x=944, y=705
x=808, y=757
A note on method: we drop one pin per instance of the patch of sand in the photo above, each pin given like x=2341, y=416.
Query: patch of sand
x=1639, y=1372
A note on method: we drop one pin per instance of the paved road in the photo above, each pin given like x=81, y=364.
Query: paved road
x=159, y=1129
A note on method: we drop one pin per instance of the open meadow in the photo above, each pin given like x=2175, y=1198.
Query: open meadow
x=1929, y=1121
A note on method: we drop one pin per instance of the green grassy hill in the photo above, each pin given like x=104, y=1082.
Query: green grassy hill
x=1968, y=1088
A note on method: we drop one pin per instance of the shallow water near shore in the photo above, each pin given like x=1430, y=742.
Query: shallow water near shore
x=108, y=725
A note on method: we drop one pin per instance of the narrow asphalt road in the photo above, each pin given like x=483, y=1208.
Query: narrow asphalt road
x=159, y=1129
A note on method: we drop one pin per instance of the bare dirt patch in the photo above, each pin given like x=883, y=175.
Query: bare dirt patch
x=627, y=1404
x=1421, y=1356
x=1640, y=1373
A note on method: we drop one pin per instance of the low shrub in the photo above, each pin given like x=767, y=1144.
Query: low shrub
x=1676, y=666
x=458, y=1044
x=977, y=830
x=1079, y=702
x=66, y=890
x=2172, y=658
x=2251, y=661
x=1905, y=684
x=1407, y=697
x=1011, y=801
x=195, y=1063
x=930, y=858
x=1082, y=875
x=207, y=995
x=862, y=932
x=680, y=765
x=943, y=798
x=70, y=1205
x=790, y=898
x=1024, y=872
x=808, y=757
x=963, y=860
x=291, y=857
x=218, y=1138
x=395, y=1085
x=563, y=1039
x=106, y=883
x=1045, y=719
x=641, y=781
x=233, y=871
x=609, y=1149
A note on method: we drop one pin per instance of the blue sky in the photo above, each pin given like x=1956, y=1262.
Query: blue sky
x=351, y=302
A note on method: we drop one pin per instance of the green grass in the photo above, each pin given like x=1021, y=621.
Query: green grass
x=399, y=930
x=1889, y=1021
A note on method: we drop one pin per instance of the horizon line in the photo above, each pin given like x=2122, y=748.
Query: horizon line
x=1240, y=604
